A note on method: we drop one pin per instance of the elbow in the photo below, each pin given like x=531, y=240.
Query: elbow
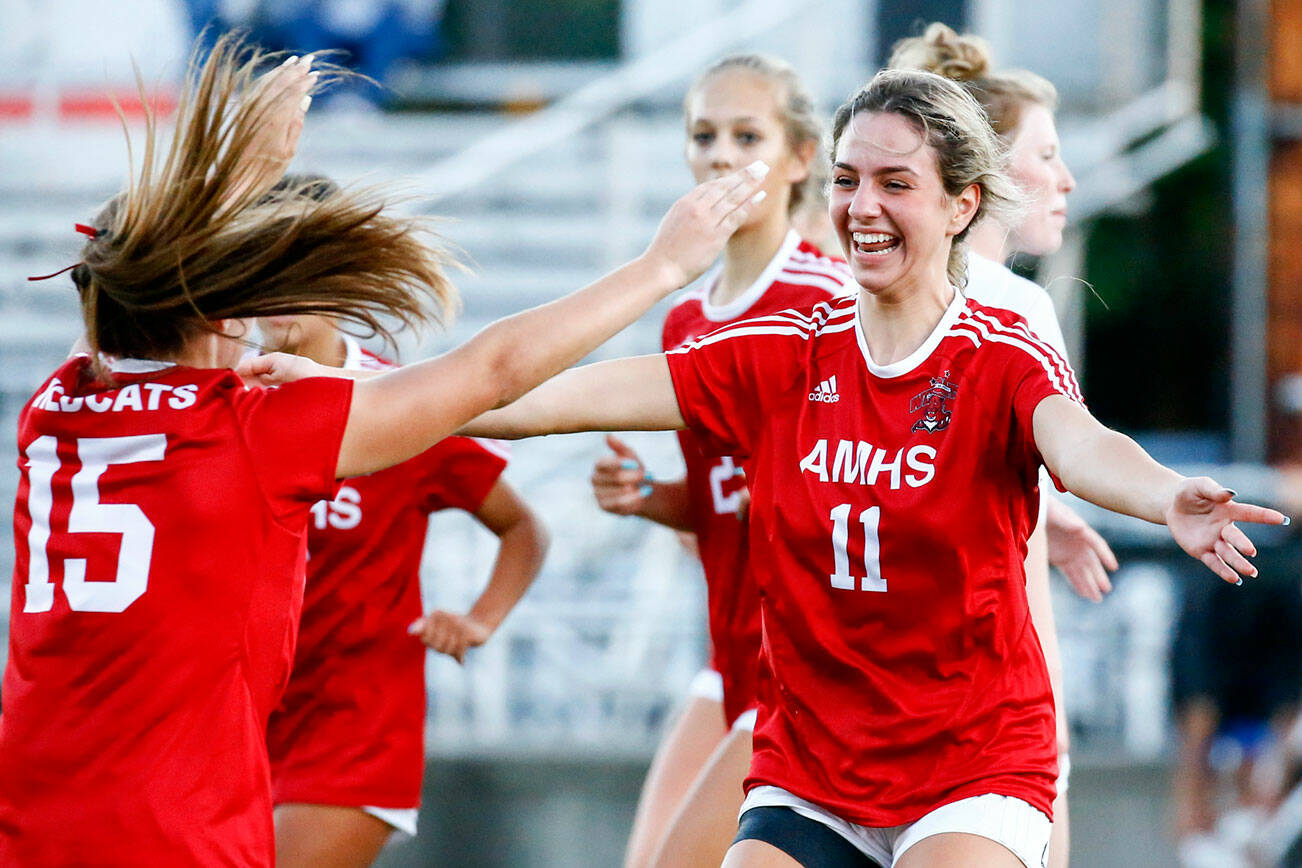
x=539, y=535
x=507, y=372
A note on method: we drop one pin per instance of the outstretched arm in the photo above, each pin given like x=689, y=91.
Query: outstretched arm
x=401, y=413
x=634, y=394
x=1111, y=470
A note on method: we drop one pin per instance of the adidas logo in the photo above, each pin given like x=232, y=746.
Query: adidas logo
x=825, y=391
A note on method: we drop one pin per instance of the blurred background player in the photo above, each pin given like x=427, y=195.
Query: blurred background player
x=1020, y=105
x=347, y=740
x=884, y=737
x=163, y=507
x=742, y=108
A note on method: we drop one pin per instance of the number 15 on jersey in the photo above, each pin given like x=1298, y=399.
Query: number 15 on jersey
x=88, y=515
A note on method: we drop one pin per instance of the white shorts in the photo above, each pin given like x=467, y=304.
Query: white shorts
x=402, y=819
x=1006, y=820
x=707, y=684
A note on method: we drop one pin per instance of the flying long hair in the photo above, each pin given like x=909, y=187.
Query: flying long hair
x=199, y=239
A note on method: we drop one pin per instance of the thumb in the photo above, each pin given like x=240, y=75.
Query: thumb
x=415, y=628
x=620, y=448
x=1214, y=491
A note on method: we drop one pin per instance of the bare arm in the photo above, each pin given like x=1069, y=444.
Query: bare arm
x=401, y=413
x=522, y=545
x=634, y=394
x=1111, y=470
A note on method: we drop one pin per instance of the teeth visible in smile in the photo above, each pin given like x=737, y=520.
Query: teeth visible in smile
x=874, y=243
x=871, y=237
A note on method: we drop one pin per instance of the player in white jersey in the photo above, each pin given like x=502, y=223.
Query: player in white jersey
x=742, y=107
x=1020, y=107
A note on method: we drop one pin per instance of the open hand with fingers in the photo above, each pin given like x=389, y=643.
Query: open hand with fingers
x=1202, y=519
x=695, y=229
x=451, y=634
x=1078, y=551
x=286, y=92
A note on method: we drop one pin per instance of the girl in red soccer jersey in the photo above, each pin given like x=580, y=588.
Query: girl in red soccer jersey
x=162, y=505
x=742, y=108
x=893, y=443
x=347, y=740
x=1020, y=106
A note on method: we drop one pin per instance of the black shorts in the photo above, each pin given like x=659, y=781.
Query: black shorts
x=1240, y=648
x=807, y=841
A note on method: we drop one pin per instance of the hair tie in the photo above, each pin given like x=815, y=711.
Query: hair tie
x=89, y=231
x=55, y=274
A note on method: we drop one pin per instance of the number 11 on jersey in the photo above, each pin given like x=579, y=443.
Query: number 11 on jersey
x=841, y=577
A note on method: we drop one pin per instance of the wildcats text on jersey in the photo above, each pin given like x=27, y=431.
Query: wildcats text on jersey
x=134, y=396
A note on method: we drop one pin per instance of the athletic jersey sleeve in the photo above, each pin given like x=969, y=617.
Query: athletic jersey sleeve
x=458, y=472
x=722, y=379
x=1038, y=373
x=293, y=434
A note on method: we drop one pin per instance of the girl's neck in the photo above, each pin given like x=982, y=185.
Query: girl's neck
x=897, y=321
x=749, y=251
x=989, y=239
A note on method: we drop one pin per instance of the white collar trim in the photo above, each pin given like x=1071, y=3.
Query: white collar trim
x=743, y=302
x=136, y=366
x=918, y=356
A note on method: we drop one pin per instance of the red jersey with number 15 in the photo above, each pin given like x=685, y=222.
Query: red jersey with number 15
x=350, y=727
x=890, y=506
x=798, y=276
x=159, y=528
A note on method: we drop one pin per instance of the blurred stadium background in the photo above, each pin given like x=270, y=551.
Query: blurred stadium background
x=548, y=133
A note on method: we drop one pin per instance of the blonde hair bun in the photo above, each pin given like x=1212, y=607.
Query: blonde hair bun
x=942, y=51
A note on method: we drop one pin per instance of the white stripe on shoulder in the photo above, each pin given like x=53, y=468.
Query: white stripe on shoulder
x=1060, y=375
x=1023, y=328
x=824, y=259
x=1022, y=331
x=822, y=318
x=825, y=267
x=832, y=285
x=739, y=331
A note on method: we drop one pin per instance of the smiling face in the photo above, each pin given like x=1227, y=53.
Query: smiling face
x=1036, y=165
x=888, y=204
x=733, y=119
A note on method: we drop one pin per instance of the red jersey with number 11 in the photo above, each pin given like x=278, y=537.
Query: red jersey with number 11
x=159, y=531
x=890, y=506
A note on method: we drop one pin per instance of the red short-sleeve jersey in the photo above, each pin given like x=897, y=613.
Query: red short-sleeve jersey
x=349, y=729
x=890, y=506
x=159, y=533
x=798, y=276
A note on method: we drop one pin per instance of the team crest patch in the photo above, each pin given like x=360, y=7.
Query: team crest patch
x=933, y=404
